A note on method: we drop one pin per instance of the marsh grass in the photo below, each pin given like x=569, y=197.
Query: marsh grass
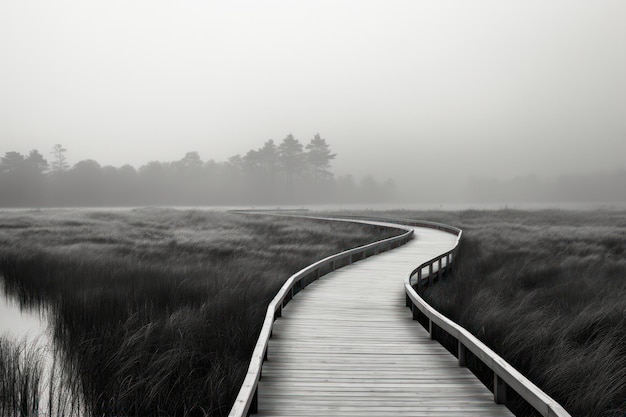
x=20, y=378
x=156, y=311
x=34, y=383
x=547, y=291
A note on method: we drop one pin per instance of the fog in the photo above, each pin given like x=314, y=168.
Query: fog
x=431, y=94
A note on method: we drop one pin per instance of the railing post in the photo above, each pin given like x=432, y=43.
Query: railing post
x=254, y=405
x=499, y=389
x=440, y=271
x=448, y=264
x=430, y=274
x=452, y=260
x=431, y=329
x=419, y=279
x=462, y=354
x=415, y=311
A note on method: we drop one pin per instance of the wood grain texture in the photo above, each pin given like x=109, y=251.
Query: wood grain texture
x=347, y=346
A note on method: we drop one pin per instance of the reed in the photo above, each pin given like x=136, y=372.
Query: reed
x=21, y=384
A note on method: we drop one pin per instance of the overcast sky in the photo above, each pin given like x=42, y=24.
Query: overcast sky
x=398, y=88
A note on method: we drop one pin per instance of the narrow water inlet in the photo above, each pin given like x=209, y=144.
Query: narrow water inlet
x=23, y=323
x=27, y=339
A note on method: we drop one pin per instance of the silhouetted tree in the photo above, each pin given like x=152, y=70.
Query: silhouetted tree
x=22, y=179
x=128, y=172
x=128, y=189
x=319, y=157
x=86, y=167
x=190, y=163
x=188, y=181
x=84, y=184
x=12, y=163
x=269, y=157
x=36, y=162
x=231, y=187
x=252, y=163
x=236, y=161
x=211, y=180
x=35, y=181
x=291, y=158
x=59, y=164
x=156, y=182
x=12, y=186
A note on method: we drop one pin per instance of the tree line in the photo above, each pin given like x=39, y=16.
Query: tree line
x=285, y=173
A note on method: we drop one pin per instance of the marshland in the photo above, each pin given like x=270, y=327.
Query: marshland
x=152, y=312
x=156, y=311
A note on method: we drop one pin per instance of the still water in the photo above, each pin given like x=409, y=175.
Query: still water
x=31, y=329
x=22, y=323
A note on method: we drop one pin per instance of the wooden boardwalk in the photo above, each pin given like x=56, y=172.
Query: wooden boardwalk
x=347, y=346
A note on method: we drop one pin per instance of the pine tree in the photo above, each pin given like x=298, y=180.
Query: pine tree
x=319, y=157
x=291, y=158
x=36, y=163
x=60, y=162
x=11, y=163
x=269, y=157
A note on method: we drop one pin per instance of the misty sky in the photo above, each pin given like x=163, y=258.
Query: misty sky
x=398, y=88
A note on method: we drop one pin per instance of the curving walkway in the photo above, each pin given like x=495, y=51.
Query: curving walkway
x=347, y=346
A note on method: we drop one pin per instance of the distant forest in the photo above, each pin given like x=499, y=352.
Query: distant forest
x=285, y=173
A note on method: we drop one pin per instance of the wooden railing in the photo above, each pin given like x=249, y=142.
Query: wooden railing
x=247, y=399
x=505, y=376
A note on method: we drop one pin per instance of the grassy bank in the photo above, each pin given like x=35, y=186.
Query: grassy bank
x=157, y=311
x=547, y=291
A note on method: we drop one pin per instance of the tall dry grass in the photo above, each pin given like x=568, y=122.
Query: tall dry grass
x=157, y=311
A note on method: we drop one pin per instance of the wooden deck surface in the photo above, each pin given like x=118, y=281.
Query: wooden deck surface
x=347, y=346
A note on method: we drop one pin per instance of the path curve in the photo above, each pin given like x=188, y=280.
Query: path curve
x=347, y=345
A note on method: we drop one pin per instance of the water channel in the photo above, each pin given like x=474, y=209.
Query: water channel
x=26, y=334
